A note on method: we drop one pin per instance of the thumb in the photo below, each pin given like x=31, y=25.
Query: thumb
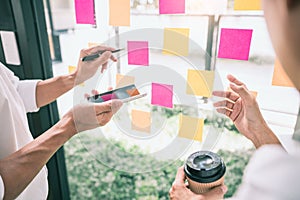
x=108, y=106
x=116, y=105
x=216, y=193
x=103, y=58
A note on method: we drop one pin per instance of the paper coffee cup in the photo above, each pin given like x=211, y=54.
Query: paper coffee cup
x=204, y=170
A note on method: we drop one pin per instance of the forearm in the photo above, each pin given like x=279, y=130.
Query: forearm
x=19, y=169
x=49, y=90
x=264, y=136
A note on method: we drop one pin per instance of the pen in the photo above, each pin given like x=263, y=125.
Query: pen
x=94, y=56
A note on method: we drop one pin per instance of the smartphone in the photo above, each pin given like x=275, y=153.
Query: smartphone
x=126, y=94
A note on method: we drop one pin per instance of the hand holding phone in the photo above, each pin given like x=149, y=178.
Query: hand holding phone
x=126, y=94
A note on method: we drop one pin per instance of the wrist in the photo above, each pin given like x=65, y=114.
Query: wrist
x=67, y=126
x=71, y=78
x=264, y=137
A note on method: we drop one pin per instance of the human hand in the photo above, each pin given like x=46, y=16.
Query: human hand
x=87, y=69
x=180, y=191
x=90, y=115
x=242, y=108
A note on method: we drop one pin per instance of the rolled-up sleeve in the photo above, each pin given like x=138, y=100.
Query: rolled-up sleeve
x=1, y=188
x=27, y=91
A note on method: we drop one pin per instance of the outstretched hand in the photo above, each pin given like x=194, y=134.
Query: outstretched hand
x=242, y=108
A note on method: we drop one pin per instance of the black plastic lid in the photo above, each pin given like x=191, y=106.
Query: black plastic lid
x=204, y=167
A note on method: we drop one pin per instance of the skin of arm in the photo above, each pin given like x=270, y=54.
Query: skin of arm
x=18, y=169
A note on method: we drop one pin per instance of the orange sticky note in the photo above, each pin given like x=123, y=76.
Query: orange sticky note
x=132, y=92
x=176, y=41
x=119, y=12
x=247, y=5
x=280, y=78
x=122, y=80
x=200, y=82
x=93, y=44
x=141, y=121
x=191, y=127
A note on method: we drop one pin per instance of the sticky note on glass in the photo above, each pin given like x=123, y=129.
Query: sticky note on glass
x=235, y=43
x=119, y=12
x=85, y=12
x=176, y=41
x=191, y=128
x=72, y=69
x=93, y=44
x=141, y=121
x=122, y=80
x=247, y=5
x=171, y=6
x=162, y=95
x=138, y=53
x=200, y=82
x=280, y=78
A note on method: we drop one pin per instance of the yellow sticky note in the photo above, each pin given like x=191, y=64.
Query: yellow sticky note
x=247, y=5
x=119, y=12
x=93, y=44
x=72, y=69
x=191, y=128
x=141, y=121
x=280, y=78
x=176, y=41
x=122, y=80
x=200, y=82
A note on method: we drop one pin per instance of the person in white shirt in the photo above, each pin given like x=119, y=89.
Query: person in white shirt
x=23, y=173
x=272, y=173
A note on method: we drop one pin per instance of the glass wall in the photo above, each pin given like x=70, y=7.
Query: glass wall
x=114, y=162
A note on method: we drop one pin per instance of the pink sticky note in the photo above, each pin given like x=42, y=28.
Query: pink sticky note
x=171, y=6
x=85, y=12
x=235, y=43
x=162, y=95
x=138, y=53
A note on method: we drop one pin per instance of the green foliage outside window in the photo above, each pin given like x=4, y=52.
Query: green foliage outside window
x=90, y=179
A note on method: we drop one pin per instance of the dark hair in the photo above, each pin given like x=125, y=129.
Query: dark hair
x=293, y=3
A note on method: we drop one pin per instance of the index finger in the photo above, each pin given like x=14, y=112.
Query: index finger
x=226, y=94
x=234, y=80
x=108, y=106
x=180, y=176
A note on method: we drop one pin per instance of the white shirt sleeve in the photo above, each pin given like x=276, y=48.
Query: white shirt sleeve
x=272, y=174
x=1, y=188
x=27, y=91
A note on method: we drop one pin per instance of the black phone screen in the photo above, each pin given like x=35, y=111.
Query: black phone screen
x=120, y=93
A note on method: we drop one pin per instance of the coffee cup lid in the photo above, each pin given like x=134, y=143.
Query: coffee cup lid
x=204, y=167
